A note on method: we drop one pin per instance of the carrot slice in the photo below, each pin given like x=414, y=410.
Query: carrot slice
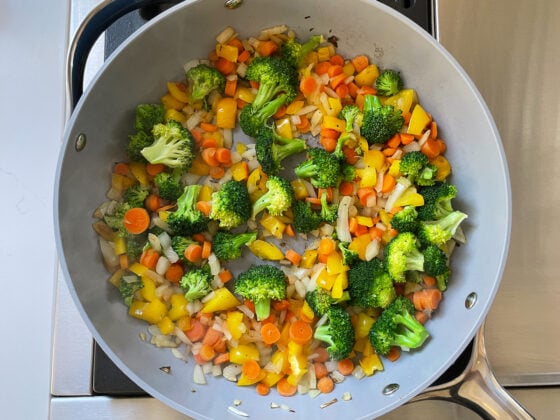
x=301, y=332
x=270, y=333
x=174, y=273
x=285, y=389
x=325, y=385
x=193, y=253
x=136, y=220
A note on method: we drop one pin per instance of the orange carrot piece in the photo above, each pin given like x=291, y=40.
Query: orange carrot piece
x=199, y=237
x=325, y=385
x=360, y=62
x=153, y=169
x=153, y=202
x=334, y=70
x=389, y=151
x=224, y=66
x=345, y=366
x=431, y=148
x=225, y=275
x=342, y=90
x=196, y=331
x=346, y=188
x=230, y=87
x=267, y=48
x=206, y=352
x=337, y=79
x=394, y=141
x=174, y=273
x=329, y=132
x=206, y=249
x=301, y=332
x=326, y=246
x=337, y=59
x=322, y=355
x=193, y=253
x=212, y=336
x=270, y=333
x=328, y=143
x=304, y=124
x=426, y=299
x=262, y=389
x=394, y=354
x=208, y=127
x=421, y=317
x=389, y=182
x=223, y=155
x=123, y=261
x=121, y=168
x=307, y=85
x=406, y=138
x=290, y=231
x=208, y=142
x=221, y=358
x=293, y=257
x=217, y=172
x=322, y=67
x=280, y=305
x=285, y=389
x=209, y=156
x=136, y=220
x=429, y=281
x=350, y=155
x=320, y=370
x=204, y=207
x=243, y=56
x=251, y=369
x=433, y=130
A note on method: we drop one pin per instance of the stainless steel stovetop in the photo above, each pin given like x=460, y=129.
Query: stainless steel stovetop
x=507, y=48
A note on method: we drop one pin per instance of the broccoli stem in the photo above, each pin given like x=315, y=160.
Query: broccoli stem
x=262, y=309
x=289, y=148
x=413, y=335
x=323, y=333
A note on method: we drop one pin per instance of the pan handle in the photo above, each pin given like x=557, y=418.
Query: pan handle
x=478, y=389
x=94, y=24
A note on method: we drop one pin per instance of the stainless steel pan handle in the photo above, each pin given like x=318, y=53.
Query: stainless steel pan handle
x=478, y=389
x=94, y=24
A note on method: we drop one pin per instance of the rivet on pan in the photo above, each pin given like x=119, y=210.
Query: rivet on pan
x=470, y=301
x=80, y=142
x=390, y=389
x=233, y=4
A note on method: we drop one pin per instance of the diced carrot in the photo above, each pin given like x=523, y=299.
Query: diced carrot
x=337, y=59
x=223, y=155
x=406, y=138
x=217, y=172
x=289, y=231
x=267, y=48
x=326, y=246
x=429, y=281
x=293, y=257
x=262, y=389
x=394, y=141
x=307, y=85
x=154, y=168
x=174, y=273
x=224, y=66
x=364, y=193
x=421, y=317
x=325, y=385
x=322, y=354
x=280, y=112
x=199, y=237
x=433, y=130
x=360, y=62
x=209, y=156
x=204, y=207
x=389, y=182
x=193, y=253
x=328, y=143
x=426, y=299
x=230, y=87
x=209, y=127
x=337, y=79
x=342, y=90
x=322, y=67
x=320, y=370
x=350, y=155
x=345, y=366
x=136, y=220
x=270, y=333
x=207, y=352
x=285, y=389
x=243, y=56
x=221, y=358
x=251, y=369
x=431, y=148
x=196, y=331
x=389, y=151
x=212, y=336
x=280, y=305
x=334, y=70
x=153, y=202
x=346, y=188
x=368, y=90
x=353, y=89
x=375, y=233
x=328, y=192
x=123, y=261
x=206, y=249
x=394, y=353
x=121, y=168
x=304, y=125
x=225, y=275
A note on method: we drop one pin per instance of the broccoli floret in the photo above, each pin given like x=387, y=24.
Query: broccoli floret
x=389, y=83
x=417, y=167
x=196, y=283
x=348, y=172
x=252, y=118
x=128, y=286
x=203, y=80
x=438, y=232
x=115, y=219
x=136, y=143
x=187, y=219
x=227, y=246
x=329, y=212
x=349, y=257
x=135, y=246
x=261, y=284
x=272, y=149
x=148, y=115
x=370, y=285
x=135, y=195
x=349, y=113
x=380, y=122
x=435, y=265
x=321, y=300
x=405, y=220
x=295, y=52
x=337, y=332
x=180, y=243
x=402, y=255
x=437, y=201
x=168, y=185
x=396, y=326
x=277, y=199
x=323, y=169
x=173, y=146
x=231, y=205
x=274, y=75
x=305, y=218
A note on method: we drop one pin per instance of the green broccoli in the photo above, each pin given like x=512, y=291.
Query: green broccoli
x=380, y=122
x=114, y=219
x=417, y=167
x=274, y=75
x=320, y=300
x=272, y=149
x=231, y=205
x=438, y=232
x=135, y=195
x=168, y=185
x=128, y=286
x=277, y=199
x=180, y=243
x=396, y=326
x=405, y=220
x=134, y=246
x=227, y=246
x=136, y=143
x=295, y=52
x=329, y=212
x=389, y=83
x=370, y=285
x=173, y=146
x=349, y=113
x=323, y=169
x=436, y=265
x=204, y=79
x=187, y=219
x=261, y=284
x=402, y=255
x=348, y=172
x=337, y=332
x=147, y=116
x=197, y=283
x=305, y=218
x=437, y=201
x=252, y=118
x=349, y=257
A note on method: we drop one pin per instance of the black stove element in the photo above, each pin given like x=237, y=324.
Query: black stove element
x=109, y=380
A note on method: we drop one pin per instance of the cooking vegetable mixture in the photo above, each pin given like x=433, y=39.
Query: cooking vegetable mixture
x=283, y=215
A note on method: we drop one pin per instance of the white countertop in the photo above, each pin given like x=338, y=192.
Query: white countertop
x=32, y=46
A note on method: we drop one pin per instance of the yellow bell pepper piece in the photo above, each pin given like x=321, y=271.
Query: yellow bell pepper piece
x=340, y=283
x=178, y=308
x=229, y=52
x=374, y=158
x=368, y=176
x=410, y=197
x=284, y=128
x=404, y=100
x=199, y=167
x=335, y=264
x=120, y=245
x=273, y=224
x=443, y=167
x=170, y=102
x=367, y=76
x=308, y=258
x=370, y=364
x=334, y=123
x=364, y=221
x=240, y=171
x=148, y=291
x=265, y=250
x=166, y=325
x=138, y=170
x=137, y=268
x=245, y=381
x=323, y=53
x=222, y=300
x=177, y=92
x=336, y=106
x=272, y=378
x=325, y=280
x=243, y=352
x=245, y=94
x=348, y=69
x=205, y=193
x=152, y=312
x=120, y=182
x=306, y=311
x=419, y=119
x=294, y=107
x=173, y=114
x=234, y=322
x=359, y=245
x=226, y=113
x=300, y=192
x=363, y=325
x=395, y=168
